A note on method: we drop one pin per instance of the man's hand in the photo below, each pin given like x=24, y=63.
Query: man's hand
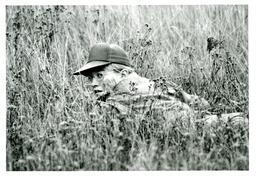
x=192, y=100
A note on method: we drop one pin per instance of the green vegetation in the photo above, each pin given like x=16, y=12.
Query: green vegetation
x=52, y=123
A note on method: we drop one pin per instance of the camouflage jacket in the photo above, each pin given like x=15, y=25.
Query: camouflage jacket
x=166, y=108
x=158, y=107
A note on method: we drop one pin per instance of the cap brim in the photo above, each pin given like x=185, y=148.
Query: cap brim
x=89, y=67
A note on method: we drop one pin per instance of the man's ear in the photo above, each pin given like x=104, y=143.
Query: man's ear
x=124, y=73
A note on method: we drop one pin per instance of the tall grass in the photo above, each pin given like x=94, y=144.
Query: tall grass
x=52, y=123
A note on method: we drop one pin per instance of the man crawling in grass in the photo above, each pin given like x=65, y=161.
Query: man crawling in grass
x=118, y=87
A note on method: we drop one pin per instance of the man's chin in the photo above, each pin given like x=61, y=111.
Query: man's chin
x=102, y=96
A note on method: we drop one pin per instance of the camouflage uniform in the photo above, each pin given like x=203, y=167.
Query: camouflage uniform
x=168, y=107
x=162, y=107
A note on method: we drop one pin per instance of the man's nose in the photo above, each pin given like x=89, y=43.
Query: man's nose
x=94, y=83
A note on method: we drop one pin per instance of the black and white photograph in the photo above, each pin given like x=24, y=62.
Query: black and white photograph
x=127, y=87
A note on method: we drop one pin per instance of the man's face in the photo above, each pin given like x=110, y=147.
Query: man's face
x=104, y=81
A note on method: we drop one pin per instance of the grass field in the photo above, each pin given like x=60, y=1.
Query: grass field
x=52, y=123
